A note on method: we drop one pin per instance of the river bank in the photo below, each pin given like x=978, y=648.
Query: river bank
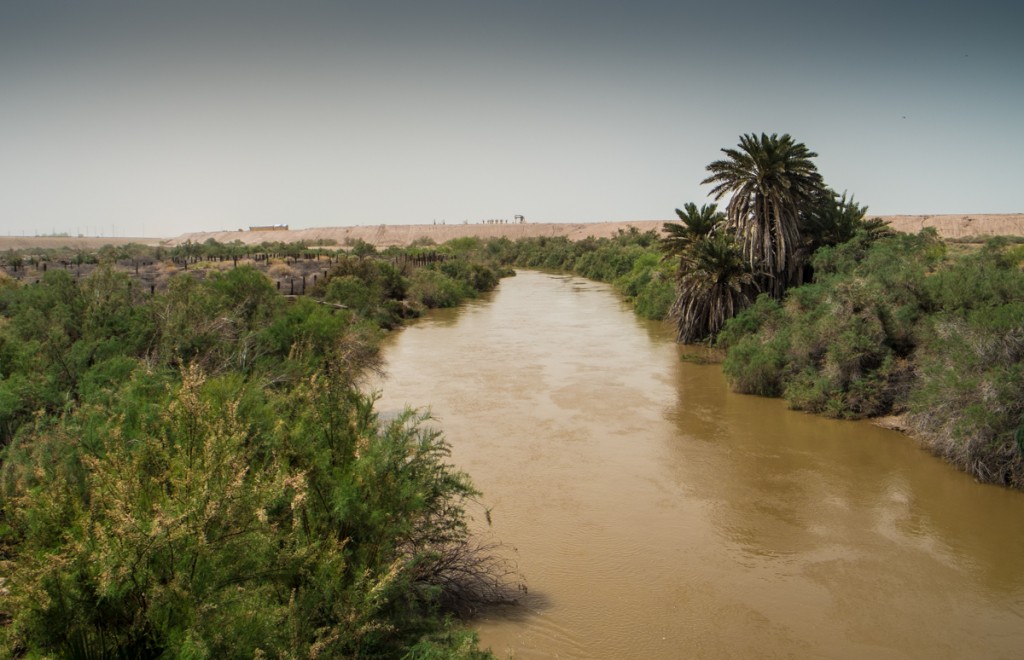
x=891, y=329
x=902, y=325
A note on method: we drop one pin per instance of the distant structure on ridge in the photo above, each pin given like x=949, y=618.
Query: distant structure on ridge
x=268, y=228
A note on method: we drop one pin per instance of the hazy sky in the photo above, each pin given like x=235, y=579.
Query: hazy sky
x=155, y=118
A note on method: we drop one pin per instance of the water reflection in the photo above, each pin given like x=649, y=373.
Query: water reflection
x=806, y=477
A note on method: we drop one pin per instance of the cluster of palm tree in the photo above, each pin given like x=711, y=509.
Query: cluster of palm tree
x=778, y=212
x=713, y=282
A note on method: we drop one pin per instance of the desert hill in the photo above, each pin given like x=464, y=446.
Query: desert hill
x=955, y=227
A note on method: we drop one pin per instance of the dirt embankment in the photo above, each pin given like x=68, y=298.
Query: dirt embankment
x=399, y=235
x=86, y=243
x=959, y=227
x=948, y=226
x=955, y=227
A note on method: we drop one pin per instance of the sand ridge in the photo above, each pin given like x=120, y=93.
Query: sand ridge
x=955, y=227
x=948, y=226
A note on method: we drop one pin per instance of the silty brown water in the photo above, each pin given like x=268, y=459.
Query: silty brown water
x=657, y=515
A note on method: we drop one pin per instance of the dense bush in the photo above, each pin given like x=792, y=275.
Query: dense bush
x=969, y=398
x=198, y=474
x=406, y=281
x=649, y=284
x=198, y=533
x=841, y=345
x=433, y=288
x=898, y=326
x=758, y=344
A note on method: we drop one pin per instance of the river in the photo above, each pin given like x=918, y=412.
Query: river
x=655, y=514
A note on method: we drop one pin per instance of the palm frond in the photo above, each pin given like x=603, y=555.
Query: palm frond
x=695, y=223
x=714, y=284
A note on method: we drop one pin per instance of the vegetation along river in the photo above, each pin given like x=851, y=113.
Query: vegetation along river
x=655, y=514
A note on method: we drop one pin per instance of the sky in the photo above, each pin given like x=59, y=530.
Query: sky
x=150, y=118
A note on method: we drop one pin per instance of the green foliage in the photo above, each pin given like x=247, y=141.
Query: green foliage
x=758, y=344
x=451, y=644
x=771, y=182
x=479, y=278
x=779, y=213
x=649, y=285
x=757, y=366
x=764, y=315
x=969, y=401
x=633, y=236
x=385, y=292
x=198, y=474
x=609, y=261
x=361, y=248
x=714, y=284
x=985, y=279
x=432, y=288
x=630, y=261
x=464, y=246
x=302, y=333
x=895, y=325
x=215, y=322
x=195, y=532
x=833, y=219
x=839, y=347
x=247, y=294
x=694, y=224
x=373, y=288
x=352, y=292
x=53, y=333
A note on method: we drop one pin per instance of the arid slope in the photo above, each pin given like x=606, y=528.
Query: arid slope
x=956, y=227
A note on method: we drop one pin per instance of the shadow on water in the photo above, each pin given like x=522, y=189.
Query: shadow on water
x=530, y=605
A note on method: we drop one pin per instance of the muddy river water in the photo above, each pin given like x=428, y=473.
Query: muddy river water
x=655, y=514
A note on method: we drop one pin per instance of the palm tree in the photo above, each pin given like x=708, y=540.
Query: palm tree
x=695, y=224
x=834, y=219
x=771, y=180
x=714, y=284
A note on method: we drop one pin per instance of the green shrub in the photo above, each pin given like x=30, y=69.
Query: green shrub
x=649, y=285
x=207, y=528
x=198, y=474
x=988, y=278
x=433, y=289
x=848, y=336
x=654, y=300
x=766, y=312
x=897, y=325
x=352, y=292
x=969, y=400
x=757, y=367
